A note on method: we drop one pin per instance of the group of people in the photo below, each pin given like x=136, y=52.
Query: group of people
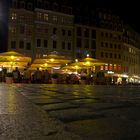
x=26, y=76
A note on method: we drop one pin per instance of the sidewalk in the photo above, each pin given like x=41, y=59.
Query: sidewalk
x=22, y=120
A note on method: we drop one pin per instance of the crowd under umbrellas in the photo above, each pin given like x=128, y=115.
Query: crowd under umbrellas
x=41, y=70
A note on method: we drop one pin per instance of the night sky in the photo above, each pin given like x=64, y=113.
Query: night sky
x=128, y=10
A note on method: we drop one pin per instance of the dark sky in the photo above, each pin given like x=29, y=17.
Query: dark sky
x=129, y=10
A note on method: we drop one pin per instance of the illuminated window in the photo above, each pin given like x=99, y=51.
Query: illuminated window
x=14, y=16
x=93, y=68
x=119, y=67
x=130, y=50
x=54, y=18
x=101, y=67
x=115, y=67
x=13, y=30
x=106, y=67
x=110, y=66
x=46, y=17
x=39, y=15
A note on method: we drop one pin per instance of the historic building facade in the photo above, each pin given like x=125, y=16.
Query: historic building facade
x=39, y=27
x=37, y=30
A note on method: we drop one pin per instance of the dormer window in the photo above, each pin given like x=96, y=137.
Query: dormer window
x=14, y=3
x=39, y=3
x=46, y=5
x=55, y=6
x=22, y=4
x=29, y=6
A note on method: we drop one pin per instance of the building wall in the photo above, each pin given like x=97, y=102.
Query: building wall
x=39, y=32
x=39, y=28
x=21, y=31
x=84, y=41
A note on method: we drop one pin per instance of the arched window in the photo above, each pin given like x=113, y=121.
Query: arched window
x=22, y=4
x=46, y=5
x=14, y=4
x=55, y=6
x=39, y=3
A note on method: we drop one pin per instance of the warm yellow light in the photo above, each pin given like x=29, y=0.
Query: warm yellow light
x=76, y=60
x=87, y=63
x=87, y=55
x=52, y=60
x=66, y=64
x=76, y=66
x=46, y=64
x=12, y=57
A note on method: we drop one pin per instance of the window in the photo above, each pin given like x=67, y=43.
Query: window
x=46, y=5
x=106, y=44
x=115, y=55
x=13, y=29
x=102, y=54
x=45, y=43
x=93, y=35
x=86, y=43
x=110, y=35
x=13, y=16
x=119, y=56
x=38, y=43
x=13, y=44
x=29, y=6
x=79, y=42
x=93, y=44
x=115, y=67
x=22, y=29
x=54, y=30
x=106, y=35
x=86, y=33
x=39, y=15
x=106, y=66
x=106, y=55
x=39, y=3
x=93, y=54
x=54, y=18
x=110, y=66
x=69, y=32
x=14, y=4
x=115, y=46
x=22, y=4
x=28, y=46
x=21, y=44
x=102, y=44
x=79, y=31
x=63, y=45
x=110, y=55
x=119, y=46
x=111, y=45
x=69, y=46
x=46, y=17
x=54, y=44
x=63, y=32
x=102, y=34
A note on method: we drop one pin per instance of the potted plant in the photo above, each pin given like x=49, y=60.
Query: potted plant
x=54, y=78
x=9, y=78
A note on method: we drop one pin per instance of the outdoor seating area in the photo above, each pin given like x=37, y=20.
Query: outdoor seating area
x=51, y=69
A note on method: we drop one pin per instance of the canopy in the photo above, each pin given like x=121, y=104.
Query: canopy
x=50, y=61
x=13, y=59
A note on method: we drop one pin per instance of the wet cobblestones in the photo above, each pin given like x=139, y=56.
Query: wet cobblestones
x=90, y=112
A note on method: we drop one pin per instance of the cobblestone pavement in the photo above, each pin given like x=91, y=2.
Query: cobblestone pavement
x=81, y=112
